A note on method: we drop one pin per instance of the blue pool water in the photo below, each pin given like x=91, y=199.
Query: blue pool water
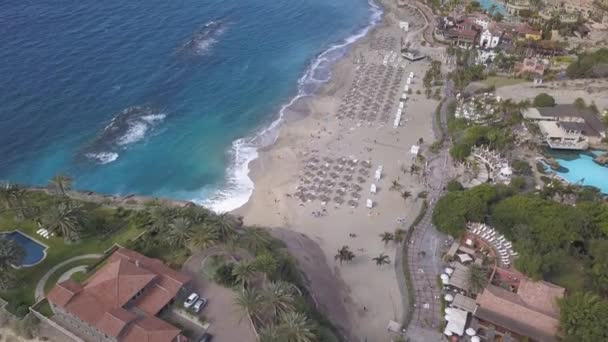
x=580, y=168
x=487, y=4
x=34, y=252
x=156, y=97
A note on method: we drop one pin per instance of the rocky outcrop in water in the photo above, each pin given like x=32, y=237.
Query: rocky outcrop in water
x=602, y=159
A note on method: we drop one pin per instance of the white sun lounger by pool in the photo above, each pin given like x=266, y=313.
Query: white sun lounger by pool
x=369, y=203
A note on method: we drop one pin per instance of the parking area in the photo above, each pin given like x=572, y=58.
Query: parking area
x=227, y=324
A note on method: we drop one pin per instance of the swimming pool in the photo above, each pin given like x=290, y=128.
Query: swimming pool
x=579, y=167
x=34, y=251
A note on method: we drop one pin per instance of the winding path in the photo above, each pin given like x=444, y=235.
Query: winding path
x=39, y=293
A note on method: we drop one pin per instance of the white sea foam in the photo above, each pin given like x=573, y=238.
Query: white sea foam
x=103, y=157
x=136, y=132
x=239, y=186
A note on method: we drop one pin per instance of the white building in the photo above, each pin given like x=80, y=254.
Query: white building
x=489, y=39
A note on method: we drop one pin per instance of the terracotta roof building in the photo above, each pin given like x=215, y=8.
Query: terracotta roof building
x=530, y=312
x=121, y=300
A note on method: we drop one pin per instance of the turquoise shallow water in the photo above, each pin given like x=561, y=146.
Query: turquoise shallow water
x=164, y=98
x=580, y=168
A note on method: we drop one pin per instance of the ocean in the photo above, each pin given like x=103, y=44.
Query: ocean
x=160, y=98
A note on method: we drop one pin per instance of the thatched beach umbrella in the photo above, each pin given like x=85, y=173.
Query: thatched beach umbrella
x=338, y=199
x=360, y=179
x=355, y=195
x=353, y=203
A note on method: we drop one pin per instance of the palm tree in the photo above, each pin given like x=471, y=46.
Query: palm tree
x=202, y=237
x=477, y=277
x=295, y=327
x=420, y=141
x=382, y=260
x=265, y=262
x=244, y=272
x=414, y=169
x=16, y=199
x=250, y=301
x=387, y=237
x=161, y=219
x=60, y=183
x=11, y=253
x=270, y=333
x=180, y=231
x=65, y=219
x=395, y=185
x=225, y=226
x=279, y=298
x=255, y=239
x=8, y=279
x=344, y=254
x=406, y=194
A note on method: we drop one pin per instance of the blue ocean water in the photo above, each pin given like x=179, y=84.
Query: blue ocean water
x=163, y=98
x=580, y=168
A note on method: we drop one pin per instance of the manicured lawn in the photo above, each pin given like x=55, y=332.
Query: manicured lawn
x=55, y=277
x=58, y=250
x=500, y=81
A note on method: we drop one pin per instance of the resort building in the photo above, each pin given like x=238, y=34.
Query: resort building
x=563, y=135
x=567, y=123
x=513, y=7
x=490, y=38
x=530, y=312
x=121, y=301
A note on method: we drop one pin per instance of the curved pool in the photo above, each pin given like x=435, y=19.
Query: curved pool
x=579, y=168
x=34, y=251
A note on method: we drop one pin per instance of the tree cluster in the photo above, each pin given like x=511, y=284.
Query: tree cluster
x=564, y=243
x=590, y=65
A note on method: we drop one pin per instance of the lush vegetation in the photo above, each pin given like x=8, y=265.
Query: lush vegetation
x=270, y=289
x=590, y=65
x=543, y=100
x=464, y=75
x=562, y=243
x=78, y=227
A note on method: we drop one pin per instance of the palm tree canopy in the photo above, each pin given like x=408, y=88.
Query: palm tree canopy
x=65, y=219
x=11, y=253
x=202, y=236
x=279, y=298
x=60, y=183
x=250, y=302
x=225, y=225
x=387, y=237
x=244, y=272
x=477, y=277
x=382, y=259
x=266, y=263
x=255, y=239
x=295, y=327
x=180, y=231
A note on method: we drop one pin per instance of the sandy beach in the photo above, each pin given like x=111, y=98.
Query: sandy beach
x=313, y=184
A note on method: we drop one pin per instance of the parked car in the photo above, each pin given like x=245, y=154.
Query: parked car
x=199, y=305
x=192, y=298
x=206, y=337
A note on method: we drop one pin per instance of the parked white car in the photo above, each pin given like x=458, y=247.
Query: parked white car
x=199, y=305
x=192, y=298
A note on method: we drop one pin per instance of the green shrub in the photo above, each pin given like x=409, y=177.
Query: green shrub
x=543, y=100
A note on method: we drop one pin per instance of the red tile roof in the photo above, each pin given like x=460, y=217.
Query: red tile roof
x=531, y=312
x=64, y=292
x=122, y=298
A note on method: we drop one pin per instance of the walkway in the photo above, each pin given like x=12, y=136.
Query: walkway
x=67, y=275
x=39, y=293
x=424, y=253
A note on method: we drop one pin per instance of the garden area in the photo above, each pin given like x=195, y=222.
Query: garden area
x=81, y=228
x=270, y=289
